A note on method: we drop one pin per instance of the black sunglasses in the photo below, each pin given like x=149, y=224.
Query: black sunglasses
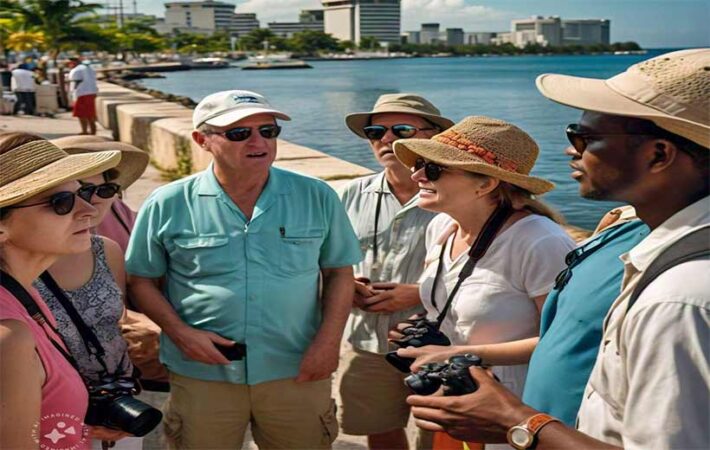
x=242, y=133
x=431, y=170
x=62, y=202
x=580, y=139
x=403, y=131
x=105, y=190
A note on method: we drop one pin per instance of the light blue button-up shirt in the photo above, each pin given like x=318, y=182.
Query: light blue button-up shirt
x=253, y=281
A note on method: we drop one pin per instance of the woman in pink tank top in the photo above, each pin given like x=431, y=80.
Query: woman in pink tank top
x=42, y=216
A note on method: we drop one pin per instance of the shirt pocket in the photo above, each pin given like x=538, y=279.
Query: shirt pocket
x=203, y=256
x=299, y=251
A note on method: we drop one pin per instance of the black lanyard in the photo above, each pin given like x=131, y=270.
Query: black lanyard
x=378, y=208
x=24, y=297
x=475, y=253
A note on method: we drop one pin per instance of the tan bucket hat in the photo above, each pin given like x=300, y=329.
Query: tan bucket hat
x=133, y=159
x=398, y=103
x=482, y=145
x=37, y=166
x=671, y=90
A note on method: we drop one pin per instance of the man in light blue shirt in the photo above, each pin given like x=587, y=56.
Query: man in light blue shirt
x=243, y=248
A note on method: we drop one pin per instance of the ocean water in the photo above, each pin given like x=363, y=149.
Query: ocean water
x=501, y=87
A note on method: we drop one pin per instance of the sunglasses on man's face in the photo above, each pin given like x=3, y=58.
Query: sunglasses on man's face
x=580, y=138
x=239, y=134
x=432, y=171
x=62, y=202
x=402, y=131
x=105, y=190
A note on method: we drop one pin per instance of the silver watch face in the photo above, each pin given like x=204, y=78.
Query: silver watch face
x=521, y=437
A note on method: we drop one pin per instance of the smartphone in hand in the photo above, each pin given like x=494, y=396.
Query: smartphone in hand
x=235, y=352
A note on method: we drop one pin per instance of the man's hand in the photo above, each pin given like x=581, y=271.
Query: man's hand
x=392, y=297
x=199, y=345
x=318, y=363
x=395, y=333
x=428, y=354
x=362, y=292
x=483, y=416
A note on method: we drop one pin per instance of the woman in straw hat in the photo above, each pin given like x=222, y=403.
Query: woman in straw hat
x=44, y=214
x=94, y=280
x=477, y=175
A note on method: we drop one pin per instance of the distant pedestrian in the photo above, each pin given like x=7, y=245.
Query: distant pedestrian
x=84, y=90
x=23, y=85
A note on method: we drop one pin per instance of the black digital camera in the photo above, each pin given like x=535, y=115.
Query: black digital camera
x=112, y=405
x=454, y=376
x=422, y=332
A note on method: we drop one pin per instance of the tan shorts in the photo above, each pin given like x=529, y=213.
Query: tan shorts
x=373, y=395
x=283, y=414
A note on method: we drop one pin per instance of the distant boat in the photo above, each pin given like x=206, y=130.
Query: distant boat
x=273, y=65
x=209, y=63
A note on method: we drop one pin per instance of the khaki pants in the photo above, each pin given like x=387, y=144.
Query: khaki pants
x=204, y=415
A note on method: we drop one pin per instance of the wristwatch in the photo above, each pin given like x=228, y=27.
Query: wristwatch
x=522, y=436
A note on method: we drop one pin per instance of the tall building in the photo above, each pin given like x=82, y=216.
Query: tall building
x=586, y=31
x=454, y=36
x=537, y=30
x=352, y=20
x=243, y=23
x=412, y=37
x=480, y=37
x=429, y=33
x=207, y=17
x=309, y=19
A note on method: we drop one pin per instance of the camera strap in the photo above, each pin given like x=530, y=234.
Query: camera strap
x=24, y=297
x=87, y=334
x=483, y=241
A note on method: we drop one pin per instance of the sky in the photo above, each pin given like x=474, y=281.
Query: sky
x=651, y=23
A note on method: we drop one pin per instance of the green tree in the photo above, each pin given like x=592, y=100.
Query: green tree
x=311, y=42
x=64, y=23
x=254, y=40
x=369, y=43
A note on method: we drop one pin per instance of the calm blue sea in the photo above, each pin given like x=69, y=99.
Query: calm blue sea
x=501, y=87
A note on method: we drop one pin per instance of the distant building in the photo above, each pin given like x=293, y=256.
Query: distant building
x=430, y=33
x=352, y=20
x=243, y=23
x=537, y=30
x=586, y=31
x=206, y=17
x=411, y=37
x=309, y=19
x=454, y=36
x=502, y=38
x=479, y=38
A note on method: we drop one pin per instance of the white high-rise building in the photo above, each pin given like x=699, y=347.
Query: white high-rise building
x=538, y=30
x=207, y=17
x=586, y=31
x=352, y=20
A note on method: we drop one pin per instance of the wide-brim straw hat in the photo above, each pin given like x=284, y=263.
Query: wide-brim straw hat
x=481, y=145
x=671, y=90
x=413, y=104
x=133, y=159
x=37, y=166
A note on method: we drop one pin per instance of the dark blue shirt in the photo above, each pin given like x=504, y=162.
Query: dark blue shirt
x=572, y=319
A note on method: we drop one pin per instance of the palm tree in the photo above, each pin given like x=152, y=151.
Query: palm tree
x=63, y=22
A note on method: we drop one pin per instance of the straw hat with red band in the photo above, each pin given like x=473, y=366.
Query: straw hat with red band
x=133, y=159
x=671, y=90
x=482, y=145
x=37, y=166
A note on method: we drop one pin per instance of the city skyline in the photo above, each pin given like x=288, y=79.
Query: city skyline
x=651, y=23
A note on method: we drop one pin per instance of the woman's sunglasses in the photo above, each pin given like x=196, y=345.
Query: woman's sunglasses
x=62, y=202
x=105, y=190
x=242, y=133
x=403, y=131
x=580, y=139
x=431, y=170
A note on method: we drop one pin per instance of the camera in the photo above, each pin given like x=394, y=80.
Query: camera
x=422, y=332
x=454, y=376
x=112, y=405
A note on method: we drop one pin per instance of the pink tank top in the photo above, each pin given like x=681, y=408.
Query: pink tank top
x=64, y=396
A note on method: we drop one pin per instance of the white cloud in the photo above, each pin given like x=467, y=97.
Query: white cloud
x=454, y=13
x=277, y=10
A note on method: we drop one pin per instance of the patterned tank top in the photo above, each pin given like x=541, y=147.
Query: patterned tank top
x=100, y=303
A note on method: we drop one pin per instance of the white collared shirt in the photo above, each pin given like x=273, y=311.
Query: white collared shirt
x=649, y=388
x=22, y=81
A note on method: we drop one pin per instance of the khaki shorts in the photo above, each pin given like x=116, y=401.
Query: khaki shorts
x=373, y=395
x=283, y=414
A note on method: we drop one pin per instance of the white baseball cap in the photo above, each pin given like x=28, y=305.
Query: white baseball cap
x=223, y=108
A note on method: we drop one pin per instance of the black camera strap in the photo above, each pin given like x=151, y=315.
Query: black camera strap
x=24, y=297
x=93, y=346
x=475, y=253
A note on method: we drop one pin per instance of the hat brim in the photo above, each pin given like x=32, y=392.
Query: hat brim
x=359, y=120
x=591, y=94
x=133, y=159
x=236, y=115
x=408, y=150
x=70, y=168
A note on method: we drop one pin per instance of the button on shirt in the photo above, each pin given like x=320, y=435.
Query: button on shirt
x=400, y=252
x=649, y=387
x=255, y=282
